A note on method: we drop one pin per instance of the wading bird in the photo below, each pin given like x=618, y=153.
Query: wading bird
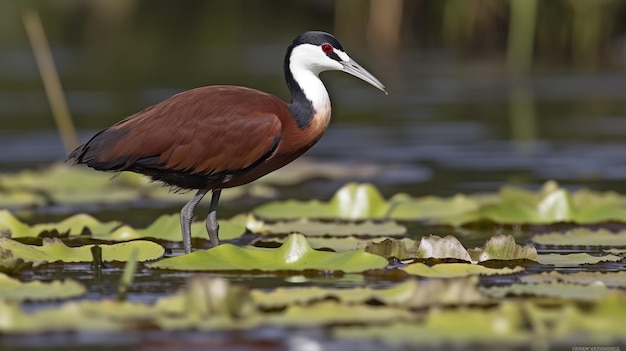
x=217, y=137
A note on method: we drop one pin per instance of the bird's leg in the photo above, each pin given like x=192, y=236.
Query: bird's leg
x=186, y=216
x=212, y=227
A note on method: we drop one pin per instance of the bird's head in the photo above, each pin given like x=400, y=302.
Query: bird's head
x=319, y=51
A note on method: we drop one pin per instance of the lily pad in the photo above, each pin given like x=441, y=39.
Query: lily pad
x=74, y=225
x=167, y=227
x=582, y=237
x=73, y=185
x=409, y=294
x=14, y=290
x=591, y=292
x=503, y=247
x=340, y=244
x=435, y=246
x=332, y=313
x=616, y=251
x=432, y=208
x=552, y=204
x=576, y=259
x=610, y=279
x=11, y=264
x=353, y=201
x=54, y=250
x=294, y=255
x=96, y=316
x=452, y=270
x=502, y=325
x=388, y=248
x=65, y=184
x=312, y=228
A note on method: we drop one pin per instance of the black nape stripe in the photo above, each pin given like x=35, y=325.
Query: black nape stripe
x=302, y=108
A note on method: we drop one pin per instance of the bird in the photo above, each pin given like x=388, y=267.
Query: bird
x=221, y=136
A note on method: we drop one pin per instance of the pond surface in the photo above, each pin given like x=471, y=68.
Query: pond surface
x=448, y=125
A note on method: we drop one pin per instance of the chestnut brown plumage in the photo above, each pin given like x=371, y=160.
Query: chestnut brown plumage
x=217, y=137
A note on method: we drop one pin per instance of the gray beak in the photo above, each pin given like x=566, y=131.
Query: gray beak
x=356, y=70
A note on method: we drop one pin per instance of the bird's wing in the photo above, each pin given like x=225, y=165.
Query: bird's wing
x=206, y=131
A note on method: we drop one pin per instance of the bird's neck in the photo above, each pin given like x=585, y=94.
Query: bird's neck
x=310, y=103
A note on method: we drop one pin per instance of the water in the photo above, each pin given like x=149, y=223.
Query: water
x=448, y=125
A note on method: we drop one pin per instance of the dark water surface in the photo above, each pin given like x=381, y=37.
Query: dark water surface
x=448, y=124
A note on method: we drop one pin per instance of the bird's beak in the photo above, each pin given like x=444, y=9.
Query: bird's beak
x=356, y=70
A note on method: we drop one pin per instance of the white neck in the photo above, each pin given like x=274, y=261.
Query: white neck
x=312, y=87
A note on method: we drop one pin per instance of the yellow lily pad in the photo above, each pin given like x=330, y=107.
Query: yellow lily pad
x=582, y=237
x=332, y=312
x=610, y=279
x=450, y=270
x=501, y=326
x=96, y=316
x=591, y=292
x=409, y=294
x=569, y=260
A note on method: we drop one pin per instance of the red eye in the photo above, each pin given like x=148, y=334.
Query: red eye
x=327, y=48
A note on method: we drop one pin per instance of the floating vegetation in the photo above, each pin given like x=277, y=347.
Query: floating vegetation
x=422, y=286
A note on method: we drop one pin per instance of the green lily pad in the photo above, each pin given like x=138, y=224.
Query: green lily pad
x=19, y=198
x=451, y=270
x=65, y=184
x=353, y=201
x=294, y=255
x=396, y=295
x=340, y=244
x=14, y=290
x=458, y=327
x=570, y=260
x=432, y=208
x=167, y=227
x=610, y=279
x=312, y=228
x=74, y=225
x=551, y=204
x=73, y=185
x=96, y=316
x=592, y=292
x=205, y=297
x=582, y=237
x=409, y=294
x=332, y=312
x=54, y=250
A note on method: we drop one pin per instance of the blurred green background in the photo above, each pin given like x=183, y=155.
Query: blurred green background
x=481, y=92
